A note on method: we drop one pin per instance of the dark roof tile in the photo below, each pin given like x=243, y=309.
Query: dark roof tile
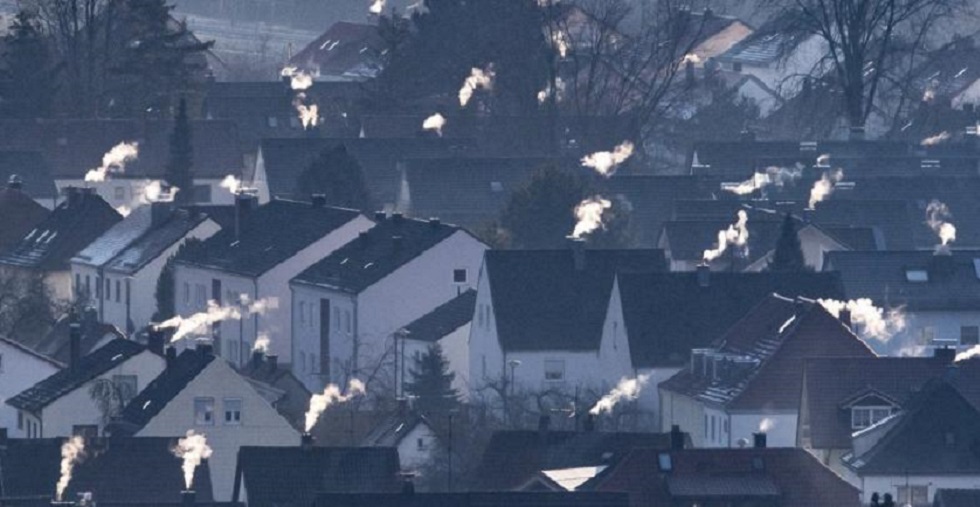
x=443, y=320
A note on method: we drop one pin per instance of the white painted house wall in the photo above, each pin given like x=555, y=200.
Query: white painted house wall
x=922, y=327
x=455, y=348
x=487, y=363
x=129, y=192
x=417, y=449
x=19, y=370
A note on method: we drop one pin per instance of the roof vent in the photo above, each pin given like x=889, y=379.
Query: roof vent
x=319, y=200
x=15, y=182
x=435, y=222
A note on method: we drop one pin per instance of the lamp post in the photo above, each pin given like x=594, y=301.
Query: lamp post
x=513, y=363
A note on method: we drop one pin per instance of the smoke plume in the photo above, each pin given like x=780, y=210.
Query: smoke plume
x=477, y=79
x=71, y=452
x=778, y=176
x=736, y=235
x=970, y=353
x=605, y=162
x=300, y=81
x=691, y=58
x=193, y=449
x=331, y=395
x=261, y=344
x=936, y=139
x=823, y=160
x=559, y=40
x=232, y=183
x=766, y=425
x=215, y=313
x=377, y=7
x=937, y=216
x=627, y=389
x=589, y=215
x=114, y=161
x=558, y=91
x=824, y=186
x=875, y=322
x=434, y=123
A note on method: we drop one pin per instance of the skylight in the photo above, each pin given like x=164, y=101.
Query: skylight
x=916, y=275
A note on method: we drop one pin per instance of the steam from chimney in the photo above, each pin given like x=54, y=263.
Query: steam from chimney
x=970, y=353
x=193, y=449
x=559, y=41
x=71, y=452
x=261, y=344
x=331, y=395
x=300, y=81
x=736, y=235
x=123, y=210
x=936, y=139
x=232, y=183
x=691, y=58
x=114, y=161
x=626, y=389
x=930, y=94
x=937, y=216
x=778, y=176
x=558, y=90
x=766, y=425
x=478, y=78
x=589, y=215
x=605, y=162
x=824, y=186
x=377, y=7
x=875, y=322
x=434, y=123
x=823, y=160
x=215, y=313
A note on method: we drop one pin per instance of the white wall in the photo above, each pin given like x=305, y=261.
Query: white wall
x=782, y=432
x=684, y=412
x=486, y=356
x=920, y=326
x=306, y=335
x=128, y=192
x=19, y=371
x=649, y=399
x=411, y=455
x=890, y=484
x=193, y=290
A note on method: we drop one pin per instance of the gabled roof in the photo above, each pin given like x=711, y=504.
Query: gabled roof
x=295, y=397
x=687, y=240
x=732, y=474
x=74, y=224
x=161, y=390
x=21, y=214
x=668, y=314
x=270, y=235
x=376, y=253
x=293, y=476
x=543, y=301
x=444, y=319
x=56, y=343
x=652, y=198
x=31, y=169
x=31, y=352
x=155, y=241
x=350, y=50
x=118, y=237
x=772, y=41
x=476, y=499
x=949, y=70
x=89, y=367
x=391, y=431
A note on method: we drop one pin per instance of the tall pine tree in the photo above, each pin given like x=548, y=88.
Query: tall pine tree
x=31, y=75
x=788, y=256
x=432, y=382
x=181, y=164
x=338, y=176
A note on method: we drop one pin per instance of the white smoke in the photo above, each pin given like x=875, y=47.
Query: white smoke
x=936, y=139
x=558, y=91
x=736, y=235
x=824, y=186
x=589, y=215
x=215, y=313
x=232, y=183
x=193, y=449
x=778, y=176
x=434, y=123
x=478, y=78
x=823, y=160
x=331, y=395
x=691, y=58
x=875, y=322
x=937, y=217
x=377, y=7
x=300, y=81
x=627, y=389
x=970, y=353
x=766, y=425
x=71, y=452
x=123, y=210
x=559, y=40
x=114, y=161
x=261, y=344
x=605, y=162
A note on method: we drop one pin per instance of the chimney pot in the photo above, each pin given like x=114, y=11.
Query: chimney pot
x=306, y=441
x=946, y=354
x=577, y=245
x=273, y=361
x=759, y=440
x=380, y=216
x=704, y=275
x=397, y=217
x=15, y=182
x=187, y=498
x=676, y=438
x=155, y=340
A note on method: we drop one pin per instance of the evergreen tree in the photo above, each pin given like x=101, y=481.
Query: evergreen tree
x=180, y=166
x=338, y=176
x=30, y=73
x=165, y=289
x=432, y=382
x=788, y=256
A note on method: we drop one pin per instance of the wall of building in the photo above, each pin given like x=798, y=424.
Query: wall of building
x=649, y=399
x=890, y=484
x=685, y=412
x=486, y=356
x=417, y=449
x=192, y=293
x=306, y=335
x=785, y=76
x=781, y=430
x=19, y=370
x=922, y=327
x=128, y=193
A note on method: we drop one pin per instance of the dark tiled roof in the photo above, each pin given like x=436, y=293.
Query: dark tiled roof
x=376, y=253
x=799, y=477
x=445, y=319
x=541, y=301
x=668, y=314
x=391, y=431
x=514, y=457
x=33, y=171
x=29, y=467
x=344, y=48
x=68, y=229
x=687, y=240
x=476, y=499
x=956, y=497
x=271, y=234
x=770, y=42
x=652, y=200
x=21, y=214
x=346, y=426
x=293, y=476
x=35, y=398
x=949, y=70
x=121, y=235
x=158, y=393
x=222, y=215
x=56, y=343
x=295, y=397
x=155, y=241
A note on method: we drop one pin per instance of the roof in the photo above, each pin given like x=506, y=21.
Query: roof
x=350, y=50
x=652, y=199
x=668, y=314
x=391, y=431
x=56, y=343
x=956, y=497
x=158, y=393
x=772, y=41
x=514, y=457
x=773, y=340
x=21, y=214
x=542, y=301
x=47, y=391
x=687, y=240
x=444, y=319
x=118, y=237
x=476, y=499
x=31, y=352
x=293, y=476
x=154, y=242
x=270, y=235
x=32, y=170
x=949, y=70
x=713, y=474
x=294, y=399
x=74, y=224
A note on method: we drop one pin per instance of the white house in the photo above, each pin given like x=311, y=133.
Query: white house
x=347, y=307
x=195, y=392
x=411, y=434
x=448, y=326
x=20, y=368
x=63, y=404
x=253, y=262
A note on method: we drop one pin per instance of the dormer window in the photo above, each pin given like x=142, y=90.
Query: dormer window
x=865, y=416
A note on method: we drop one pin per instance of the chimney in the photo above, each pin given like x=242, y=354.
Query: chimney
x=397, y=217
x=15, y=183
x=589, y=424
x=435, y=222
x=273, y=361
x=577, y=245
x=945, y=354
x=74, y=341
x=676, y=438
x=319, y=200
x=74, y=196
x=257, y=357
x=408, y=487
x=159, y=213
x=154, y=340
x=3, y=438
x=544, y=425
x=205, y=347
x=704, y=275
x=941, y=266
x=845, y=317
x=245, y=202
x=306, y=441
x=187, y=498
x=746, y=136
x=759, y=440
x=171, y=356
x=689, y=78
x=380, y=216
x=808, y=215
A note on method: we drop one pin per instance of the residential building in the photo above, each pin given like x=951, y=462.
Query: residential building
x=473, y=499
x=278, y=386
x=196, y=392
x=254, y=261
x=63, y=404
x=22, y=213
x=20, y=368
x=412, y=435
x=56, y=344
x=951, y=497
x=348, y=306
x=345, y=52
x=711, y=34
x=751, y=382
x=447, y=326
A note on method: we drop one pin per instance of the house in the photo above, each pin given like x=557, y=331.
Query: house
x=551, y=321
x=936, y=291
x=20, y=368
x=23, y=212
x=293, y=476
x=348, y=306
x=279, y=386
x=751, y=381
x=254, y=261
x=28, y=172
x=56, y=344
x=652, y=198
x=473, y=499
x=345, y=52
x=711, y=34
x=929, y=445
x=666, y=316
x=130, y=256
x=48, y=248
x=786, y=477
x=197, y=392
x=411, y=434
x=448, y=325
x=66, y=403
x=950, y=76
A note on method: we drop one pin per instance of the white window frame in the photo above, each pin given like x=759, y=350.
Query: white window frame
x=875, y=414
x=230, y=411
x=201, y=417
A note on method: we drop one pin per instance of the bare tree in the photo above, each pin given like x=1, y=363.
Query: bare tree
x=27, y=309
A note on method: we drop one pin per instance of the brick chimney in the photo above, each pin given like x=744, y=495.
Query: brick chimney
x=704, y=275
x=759, y=440
x=155, y=340
x=676, y=438
x=245, y=202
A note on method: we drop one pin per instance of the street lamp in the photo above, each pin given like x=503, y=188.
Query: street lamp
x=513, y=363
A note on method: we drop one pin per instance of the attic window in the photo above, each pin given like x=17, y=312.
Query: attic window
x=863, y=417
x=496, y=186
x=664, y=462
x=916, y=275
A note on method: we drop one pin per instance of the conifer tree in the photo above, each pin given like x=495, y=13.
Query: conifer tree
x=432, y=382
x=788, y=256
x=180, y=166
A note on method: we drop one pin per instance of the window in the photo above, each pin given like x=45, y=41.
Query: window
x=420, y=444
x=969, y=335
x=86, y=431
x=119, y=193
x=862, y=417
x=302, y=312
x=302, y=361
x=272, y=121
x=204, y=411
x=233, y=411
x=187, y=293
x=312, y=358
x=916, y=275
x=712, y=427
x=20, y=420
x=200, y=295
x=554, y=370
x=920, y=495
x=88, y=285
x=108, y=289
x=459, y=276
x=336, y=318
x=126, y=386
x=706, y=426
x=118, y=291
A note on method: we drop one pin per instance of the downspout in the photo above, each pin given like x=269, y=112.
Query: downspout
x=355, y=338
